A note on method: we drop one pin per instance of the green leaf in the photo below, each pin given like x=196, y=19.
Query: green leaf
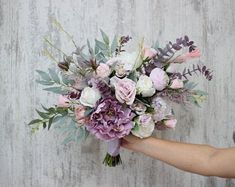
x=43, y=75
x=54, y=75
x=66, y=80
x=57, y=90
x=35, y=121
x=50, y=122
x=105, y=37
x=101, y=45
x=46, y=83
x=43, y=114
x=114, y=44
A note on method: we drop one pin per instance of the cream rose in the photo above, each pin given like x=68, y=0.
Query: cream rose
x=144, y=86
x=89, y=96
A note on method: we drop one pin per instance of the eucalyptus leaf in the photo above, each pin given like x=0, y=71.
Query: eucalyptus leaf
x=57, y=90
x=43, y=75
x=46, y=83
x=54, y=75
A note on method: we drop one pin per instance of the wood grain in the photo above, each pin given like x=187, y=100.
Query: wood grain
x=41, y=160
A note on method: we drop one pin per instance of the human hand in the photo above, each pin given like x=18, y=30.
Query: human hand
x=134, y=143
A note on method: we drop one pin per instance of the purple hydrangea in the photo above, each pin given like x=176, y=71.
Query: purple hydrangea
x=110, y=120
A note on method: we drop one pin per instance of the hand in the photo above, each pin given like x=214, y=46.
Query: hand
x=134, y=143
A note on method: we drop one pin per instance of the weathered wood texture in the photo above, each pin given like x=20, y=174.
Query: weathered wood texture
x=41, y=160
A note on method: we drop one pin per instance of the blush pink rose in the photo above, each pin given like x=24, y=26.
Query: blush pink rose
x=187, y=56
x=176, y=84
x=80, y=114
x=125, y=91
x=170, y=123
x=103, y=70
x=63, y=101
x=159, y=78
x=149, y=53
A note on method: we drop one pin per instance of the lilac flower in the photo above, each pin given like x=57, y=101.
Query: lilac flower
x=110, y=120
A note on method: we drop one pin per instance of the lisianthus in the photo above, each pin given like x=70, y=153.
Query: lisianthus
x=125, y=90
x=110, y=120
x=149, y=53
x=144, y=126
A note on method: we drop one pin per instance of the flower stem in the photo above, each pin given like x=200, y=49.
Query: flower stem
x=112, y=161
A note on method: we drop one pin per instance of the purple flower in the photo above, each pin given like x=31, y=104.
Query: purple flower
x=110, y=120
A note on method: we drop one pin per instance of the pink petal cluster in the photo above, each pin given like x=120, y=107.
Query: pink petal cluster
x=149, y=53
x=63, y=101
x=80, y=114
x=187, y=56
x=170, y=123
x=176, y=84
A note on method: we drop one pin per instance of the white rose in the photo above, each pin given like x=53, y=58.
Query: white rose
x=144, y=86
x=89, y=96
x=144, y=126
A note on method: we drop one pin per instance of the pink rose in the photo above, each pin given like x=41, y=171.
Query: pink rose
x=149, y=53
x=63, y=101
x=103, y=70
x=170, y=123
x=125, y=91
x=159, y=78
x=187, y=56
x=80, y=114
x=176, y=84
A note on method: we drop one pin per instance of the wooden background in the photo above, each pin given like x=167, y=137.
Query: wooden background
x=41, y=160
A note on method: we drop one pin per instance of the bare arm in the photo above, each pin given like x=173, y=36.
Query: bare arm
x=200, y=159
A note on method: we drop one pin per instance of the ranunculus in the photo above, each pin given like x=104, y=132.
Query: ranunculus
x=103, y=70
x=149, y=53
x=125, y=90
x=170, y=123
x=176, y=84
x=187, y=56
x=79, y=112
x=144, y=86
x=144, y=126
x=161, y=109
x=160, y=78
x=89, y=96
x=63, y=101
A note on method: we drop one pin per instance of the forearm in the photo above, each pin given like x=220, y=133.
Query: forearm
x=188, y=157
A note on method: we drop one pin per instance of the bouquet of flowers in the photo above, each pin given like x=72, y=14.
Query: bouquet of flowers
x=111, y=93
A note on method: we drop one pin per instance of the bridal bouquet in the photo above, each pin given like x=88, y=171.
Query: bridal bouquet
x=111, y=93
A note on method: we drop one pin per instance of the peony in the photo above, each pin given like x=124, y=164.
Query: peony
x=103, y=70
x=161, y=109
x=110, y=120
x=170, y=123
x=159, y=78
x=144, y=86
x=145, y=126
x=125, y=90
x=176, y=84
x=89, y=96
x=79, y=112
x=63, y=101
x=149, y=53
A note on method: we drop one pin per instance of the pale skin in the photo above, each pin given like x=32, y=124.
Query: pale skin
x=195, y=158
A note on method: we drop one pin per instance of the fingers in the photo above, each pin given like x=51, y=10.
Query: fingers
x=132, y=139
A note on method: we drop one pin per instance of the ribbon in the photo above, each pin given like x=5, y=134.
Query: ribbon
x=114, y=147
